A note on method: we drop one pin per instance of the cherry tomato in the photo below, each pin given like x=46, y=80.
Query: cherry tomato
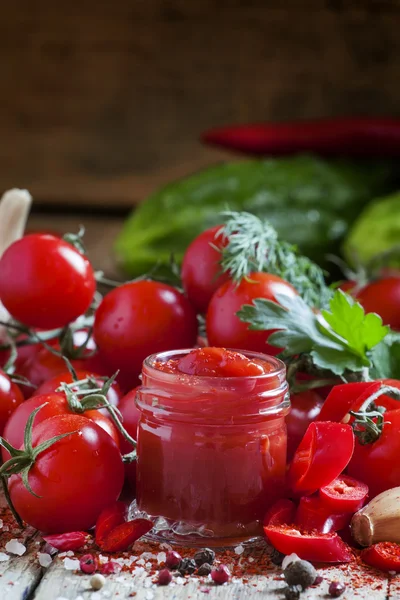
x=130, y=415
x=323, y=453
x=74, y=480
x=312, y=514
x=344, y=494
x=201, y=269
x=56, y=404
x=50, y=386
x=139, y=319
x=283, y=511
x=219, y=362
x=305, y=408
x=10, y=398
x=308, y=545
x=382, y=297
x=377, y=464
x=45, y=282
x=224, y=329
x=384, y=556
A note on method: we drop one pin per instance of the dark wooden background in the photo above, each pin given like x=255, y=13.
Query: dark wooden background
x=101, y=101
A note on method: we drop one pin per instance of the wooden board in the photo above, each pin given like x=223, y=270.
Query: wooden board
x=101, y=102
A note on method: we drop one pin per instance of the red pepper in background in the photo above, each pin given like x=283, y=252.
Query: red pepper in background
x=322, y=455
x=384, y=556
x=73, y=540
x=124, y=535
x=108, y=520
x=345, y=494
x=312, y=514
x=283, y=511
x=341, y=136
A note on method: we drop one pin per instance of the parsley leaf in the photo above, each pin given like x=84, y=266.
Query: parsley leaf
x=339, y=340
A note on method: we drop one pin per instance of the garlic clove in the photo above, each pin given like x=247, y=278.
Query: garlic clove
x=379, y=520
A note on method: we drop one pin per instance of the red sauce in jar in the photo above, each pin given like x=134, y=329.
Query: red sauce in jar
x=211, y=443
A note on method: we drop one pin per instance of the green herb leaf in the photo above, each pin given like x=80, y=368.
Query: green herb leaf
x=386, y=358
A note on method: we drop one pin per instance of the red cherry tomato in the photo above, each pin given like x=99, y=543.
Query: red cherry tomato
x=382, y=297
x=344, y=494
x=283, y=511
x=376, y=464
x=10, y=398
x=219, y=362
x=130, y=415
x=52, y=385
x=305, y=408
x=45, y=282
x=74, y=480
x=308, y=545
x=139, y=319
x=56, y=404
x=312, y=514
x=201, y=269
x=224, y=329
x=384, y=556
x=322, y=455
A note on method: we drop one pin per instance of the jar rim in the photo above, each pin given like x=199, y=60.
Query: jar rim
x=149, y=365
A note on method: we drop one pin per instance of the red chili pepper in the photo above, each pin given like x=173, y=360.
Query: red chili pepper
x=323, y=453
x=108, y=520
x=310, y=545
x=283, y=511
x=342, y=398
x=384, y=556
x=124, y=535
x=344, y=136
x=345, y=494
x=312, y=514
x=73, y=540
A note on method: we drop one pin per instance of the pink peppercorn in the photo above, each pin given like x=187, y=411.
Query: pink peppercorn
x=164, y=577
x=220, y=575
x=173, y=560
x=88, y=564
x=110, y=567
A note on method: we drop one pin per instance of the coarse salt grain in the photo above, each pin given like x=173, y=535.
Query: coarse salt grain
x=239, y=550
x=140, y=561
x=149, y=595
x=71, y=564
x=15, y=547
x=180, y=580
x=4, y=557
x=95, y=596
x=161, y=557
x=1, y=523
x=45, y=559
x=289, y=559
x=251, y=559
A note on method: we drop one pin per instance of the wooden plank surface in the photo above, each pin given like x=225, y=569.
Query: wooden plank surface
x=102, y=102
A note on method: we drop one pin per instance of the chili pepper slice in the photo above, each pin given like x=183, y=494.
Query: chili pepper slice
x=108, y=520
x=313, y=514
x=73, y=540
x=283, y=511
x=124, y=535
x=342, y=136
x=344, y=494
x=308, y=545
x=384, y=556
x=323, y=453
x=342, y=398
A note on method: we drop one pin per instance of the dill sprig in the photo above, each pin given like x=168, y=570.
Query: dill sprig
x=253, y=245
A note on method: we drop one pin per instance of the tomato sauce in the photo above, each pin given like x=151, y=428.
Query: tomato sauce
x=211, y=443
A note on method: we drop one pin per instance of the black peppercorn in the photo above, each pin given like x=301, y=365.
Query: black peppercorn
x=336, y=589
x=204, y=569
x=204, y=556
x=300, y=572
x=187, y=566
x=276, y=557
x=292, y=592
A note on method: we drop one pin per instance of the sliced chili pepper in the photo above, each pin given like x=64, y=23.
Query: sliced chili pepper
x=124, y=535
x=312, y=514
x=73, y=540
x=309, y=545
x=283, y=511
x=384, y=556
x=344, y=494
x=368, y=137
x=323, y=453
x=342, y=398
x=108, y=520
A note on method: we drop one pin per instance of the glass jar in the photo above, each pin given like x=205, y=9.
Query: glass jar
x=211, y=451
